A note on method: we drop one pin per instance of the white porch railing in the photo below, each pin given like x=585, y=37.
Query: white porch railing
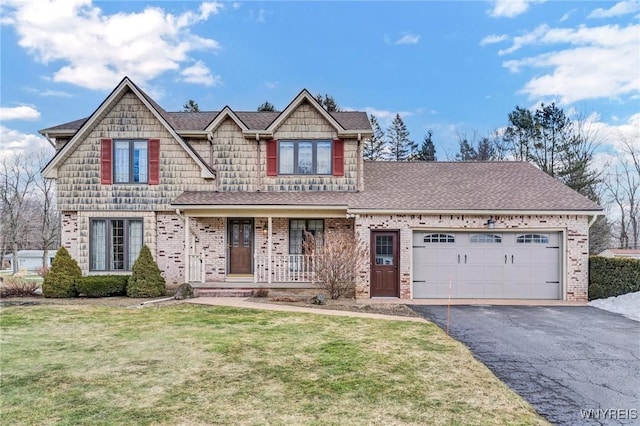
x=196, y=269
x=284, y=268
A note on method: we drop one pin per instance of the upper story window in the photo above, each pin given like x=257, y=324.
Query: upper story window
x=131, y=161
x=305, y=157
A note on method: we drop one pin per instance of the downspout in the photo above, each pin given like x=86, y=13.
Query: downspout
x=212, y=160
x=592, y=221
x=359, y=181
x=184, y=220
x=258, y=147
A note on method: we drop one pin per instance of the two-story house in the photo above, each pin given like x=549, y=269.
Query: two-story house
x=223, y=200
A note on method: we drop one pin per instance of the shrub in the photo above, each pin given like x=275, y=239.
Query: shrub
x=18, y=286
x=103, y=285
x=612, y=276
x=146, y=279
x=62, y=277
x=42, y=271
x=185, y=291
x=336, y=261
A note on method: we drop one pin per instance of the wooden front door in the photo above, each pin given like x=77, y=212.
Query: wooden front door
x=240, y=240
x=384, y=264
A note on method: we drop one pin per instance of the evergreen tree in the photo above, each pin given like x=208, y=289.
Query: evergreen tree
x=146, y=279
x=486, y=151
x=61, y=279
x=401, y=148
x=427, y=151
x=466, y=151
x=375, y=147
x=328, y=102
x=266, y=107
x=190, y=106
x=558, y=146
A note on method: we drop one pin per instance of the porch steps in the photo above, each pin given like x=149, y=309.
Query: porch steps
x=223, y=292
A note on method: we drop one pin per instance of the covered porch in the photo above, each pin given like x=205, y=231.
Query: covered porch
x=255, y=246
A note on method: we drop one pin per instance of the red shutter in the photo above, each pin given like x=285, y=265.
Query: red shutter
x=105, y=161
x=338, y=157
x=154, y=161
x=272, y=158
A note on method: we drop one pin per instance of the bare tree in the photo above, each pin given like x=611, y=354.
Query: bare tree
x=17, y=177
x=336, y=261
x=50, y=217
x=623, y=190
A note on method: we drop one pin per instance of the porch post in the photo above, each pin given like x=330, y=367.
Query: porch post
x=186, y=249
x=269, y=224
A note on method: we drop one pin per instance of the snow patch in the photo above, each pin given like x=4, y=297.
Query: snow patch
x=626, y=304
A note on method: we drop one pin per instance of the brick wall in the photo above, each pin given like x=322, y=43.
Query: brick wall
x=576, y=245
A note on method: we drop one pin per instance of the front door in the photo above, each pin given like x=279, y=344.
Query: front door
x=240, y=240
x=384, y=264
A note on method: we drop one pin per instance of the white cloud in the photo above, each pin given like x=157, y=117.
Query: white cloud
x=22, y=112
x=408, y=39
x=199, y=73
x=509, y=8
x=619, y=9
x=493, y=38
x=601, y=62
x=567, y=15
x=385, y=117
x=18, y=143
x=96, y=49
x=272, y=84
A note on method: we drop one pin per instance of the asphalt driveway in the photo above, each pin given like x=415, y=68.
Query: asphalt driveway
x=573, y=364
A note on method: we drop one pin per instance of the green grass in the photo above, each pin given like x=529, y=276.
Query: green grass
x=188, y=364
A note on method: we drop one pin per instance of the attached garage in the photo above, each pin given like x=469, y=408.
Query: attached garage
x=487, y=265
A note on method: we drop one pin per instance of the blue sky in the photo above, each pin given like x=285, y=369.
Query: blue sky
x=452, y=67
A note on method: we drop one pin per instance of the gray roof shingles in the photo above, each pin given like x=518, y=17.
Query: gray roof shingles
x=434, y=186
x=254, y=120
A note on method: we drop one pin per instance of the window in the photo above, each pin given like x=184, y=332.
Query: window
x=305, y=157
x=114, y=244
x=486, y=238
x=532, y=239
x=439, y=238
x=297, y=228
x=384, y=250
x=131, y=161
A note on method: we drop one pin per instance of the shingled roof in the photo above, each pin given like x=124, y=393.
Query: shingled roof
x=198, y=121
x=425, y=187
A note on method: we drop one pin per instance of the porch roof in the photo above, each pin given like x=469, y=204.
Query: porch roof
x=440, y=187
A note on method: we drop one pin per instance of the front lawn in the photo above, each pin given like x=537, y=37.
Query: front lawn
x=189, y=364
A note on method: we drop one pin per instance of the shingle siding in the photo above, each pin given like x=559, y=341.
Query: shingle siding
x=78, y=183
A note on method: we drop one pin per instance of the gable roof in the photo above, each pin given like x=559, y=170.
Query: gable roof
x=425, y=187
x=263, y=122
x=50, y=170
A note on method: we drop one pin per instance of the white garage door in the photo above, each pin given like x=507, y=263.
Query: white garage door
x=491, y=265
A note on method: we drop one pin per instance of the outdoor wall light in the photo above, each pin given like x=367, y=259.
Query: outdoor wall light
x=491, y=223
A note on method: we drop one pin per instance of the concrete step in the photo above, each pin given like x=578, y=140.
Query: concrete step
x=223, y=292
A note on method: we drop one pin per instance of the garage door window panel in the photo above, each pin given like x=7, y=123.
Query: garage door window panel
x=439, y=238
x=486, y=239
x=533, y=239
